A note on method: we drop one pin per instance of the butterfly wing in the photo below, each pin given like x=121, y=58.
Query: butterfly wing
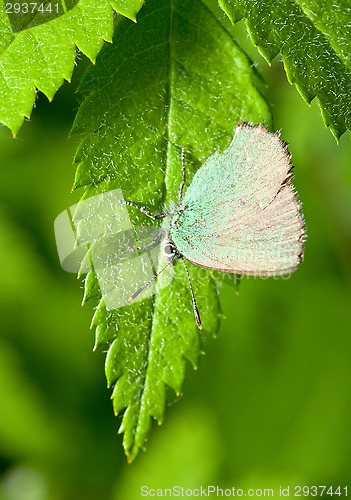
x=240, y=213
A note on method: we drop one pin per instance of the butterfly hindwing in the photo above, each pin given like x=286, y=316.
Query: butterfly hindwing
x=240, y=213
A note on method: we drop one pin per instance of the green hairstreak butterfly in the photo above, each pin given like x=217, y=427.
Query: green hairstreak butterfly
x=240, y=213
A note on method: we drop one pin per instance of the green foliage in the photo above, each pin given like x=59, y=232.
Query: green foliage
x=175, y=78
x=24, y=15
x=43, y=56
x=313, y=38
x=128, y=8
x=270, y=401
x=270, y=405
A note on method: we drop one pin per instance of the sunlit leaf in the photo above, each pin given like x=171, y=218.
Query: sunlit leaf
x=38, y=53
x=313, y=38
x=175, y=78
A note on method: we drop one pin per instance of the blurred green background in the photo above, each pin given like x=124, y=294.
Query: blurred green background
x=270, y=404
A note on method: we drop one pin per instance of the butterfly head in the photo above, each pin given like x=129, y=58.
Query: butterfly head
x=170, y=251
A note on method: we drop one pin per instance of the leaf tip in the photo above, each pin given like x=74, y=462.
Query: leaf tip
x=306, y=95
x=77, y=182
x=129, y=14
x=133, y=453
x=335, y=133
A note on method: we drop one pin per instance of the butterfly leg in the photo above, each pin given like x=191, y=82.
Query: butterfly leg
x=141, y=247
x=143, y=210
x=196, y=311
x=138, y=292
x=182, y=184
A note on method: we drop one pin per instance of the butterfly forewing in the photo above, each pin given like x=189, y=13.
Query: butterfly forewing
x=240, y=213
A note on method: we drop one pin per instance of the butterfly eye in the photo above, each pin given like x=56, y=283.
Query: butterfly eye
x=169, y=250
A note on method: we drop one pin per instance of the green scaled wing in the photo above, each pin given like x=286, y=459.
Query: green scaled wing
x=240, y=213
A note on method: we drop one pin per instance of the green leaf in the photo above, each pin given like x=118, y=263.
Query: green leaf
x=128, y=8
x=42, y=56
x=175, y=78
x=314, y=40
x=24, y=15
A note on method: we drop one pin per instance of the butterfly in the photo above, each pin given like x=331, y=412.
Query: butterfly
x=240, y=213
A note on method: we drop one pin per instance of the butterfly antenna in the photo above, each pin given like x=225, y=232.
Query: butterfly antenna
x=196, y=311
x=182, y=184
x=138, y=292
x=142, y=209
